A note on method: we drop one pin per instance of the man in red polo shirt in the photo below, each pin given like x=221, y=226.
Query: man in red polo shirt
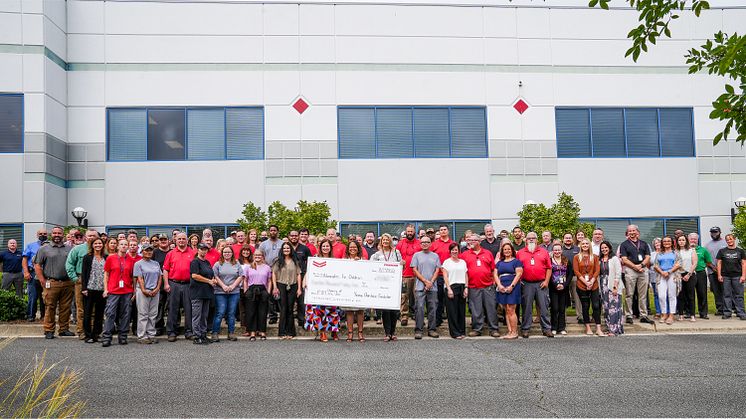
x=338, y=248
x=176, y=276
x=304, y=241
x=537, y=269
x=407, y=246
x=212, y=255
x=240, y=242
x=481, y=280
x=440, y=246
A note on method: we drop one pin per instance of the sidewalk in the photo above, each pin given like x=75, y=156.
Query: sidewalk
x=371, y=329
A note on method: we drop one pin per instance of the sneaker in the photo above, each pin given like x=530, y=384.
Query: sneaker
x=171, y=338
x=66, y=333
x=645, y=320
x=495, y=334
x=433, y=334
x=418, y=336
x=122, y=341
x=629, y=320
x=231, y=337
x=90, y=340
x=153, y=340
x=474, y=334
x=197, y=341
x=144, y=341
x=705, y=317
x=554, y=332
x=48, y=335
x=524, y=334
x=106, y=344
x=215, y=338
x=563, y=332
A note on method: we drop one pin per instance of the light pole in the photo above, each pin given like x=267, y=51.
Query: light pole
x=79, y=213
x=739, y=203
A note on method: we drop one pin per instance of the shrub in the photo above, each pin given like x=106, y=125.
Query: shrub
x=11, y=306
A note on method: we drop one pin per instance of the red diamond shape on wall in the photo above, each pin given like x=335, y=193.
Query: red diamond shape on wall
x=300, y=105
x=520, y=106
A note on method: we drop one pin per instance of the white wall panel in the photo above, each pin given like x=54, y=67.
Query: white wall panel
x=319, y=87
x=503, y=123
x=506, y=199
x=319, y=123
x=86, y=48
x=280, y=19
x=187, y=49
x=406, y=200
x=281, y=123
x=320, y=193
x=538, y=123
x=281, y=49
x=33, y=72
x=55, y=39
x=55, y=118
x=92, y=199
x=56, y=208
x=86, y=125
x=33, y=30
x=11, y=30
x=12, y=79
x=56, y=11
x=167, y=184
x=676, y=197
x=592, y=23
x=10, y=6
x=713, y=197
x=408, y=21
x=623, y=89
x=408, y=88
x=316, y=19
x=500, y=51
x=85, y=17
x=33, y=112
x=85, y=88
x=11, y=172
x=33, y=202
x=183, y=18
x=281, y=87
x=500, y=22
x=55, y=81
x=32, y=6
x=534, y=52
x=533, y=22
x=169, y=88
x=288, y=195
x=501, y=88
x=317, y=49
x=409, y=50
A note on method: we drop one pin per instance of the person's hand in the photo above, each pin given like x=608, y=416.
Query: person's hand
x=639, y=268
x=226, y=290
x=27, y=276
x=84, y=292
x=614, y=292
x=299, y=292
x=665, y=274
x=685, y=277
x=106, y=293
x=743, y=279
x=720, y=278
x=166, y=287
x=450, y=293
x=544, y=284
x=275, y=292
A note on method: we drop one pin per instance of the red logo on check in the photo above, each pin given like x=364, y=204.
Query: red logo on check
x=319, y=264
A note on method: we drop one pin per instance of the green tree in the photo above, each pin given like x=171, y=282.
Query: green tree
x=723, y=55
x=561, y=217
x=315, y=216
x=739, y=226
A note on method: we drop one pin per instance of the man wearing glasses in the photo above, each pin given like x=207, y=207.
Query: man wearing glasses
x=537, y=269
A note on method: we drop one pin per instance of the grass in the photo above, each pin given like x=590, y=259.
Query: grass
x=40, y=391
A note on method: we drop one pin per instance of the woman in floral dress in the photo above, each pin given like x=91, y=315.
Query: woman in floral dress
x=612, y=289
x=323, y=319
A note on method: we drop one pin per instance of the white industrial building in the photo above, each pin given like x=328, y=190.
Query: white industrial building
x=161, y=114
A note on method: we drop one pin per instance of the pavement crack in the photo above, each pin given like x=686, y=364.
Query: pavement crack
x=537, y=386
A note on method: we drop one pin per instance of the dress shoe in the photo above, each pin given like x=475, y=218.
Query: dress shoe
x=171, y=338
x=122, y=341
x=474, y=334
x=418, y=336
x=524, y=334
x=90, y=340
x=106, y=344
x=433, y=334
x=547, y=333
x=66, y=333
x=495, y=334
x=629, y=320
x=49, y=335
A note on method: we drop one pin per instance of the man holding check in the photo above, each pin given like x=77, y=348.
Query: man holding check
x=425, y=265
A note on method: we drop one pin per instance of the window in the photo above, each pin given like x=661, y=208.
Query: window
x=650, y=228
x=395, y=132
x=219, y=231
x=172, y=134
x=11, y=123
x=11, y=231
x=624, y=132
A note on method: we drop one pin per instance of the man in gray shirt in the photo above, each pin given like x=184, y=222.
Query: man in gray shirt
x=59, y=289
x=425, y=265
x=716, y=286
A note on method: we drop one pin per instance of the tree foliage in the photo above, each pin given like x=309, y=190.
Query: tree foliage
x=561, y=217
x=723, y=55
x=315, y=216
x=739, y=227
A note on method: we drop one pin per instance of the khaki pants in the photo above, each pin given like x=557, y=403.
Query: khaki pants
x=59, y=293
x=406, y=295
x=639, y=281
x=79, y=308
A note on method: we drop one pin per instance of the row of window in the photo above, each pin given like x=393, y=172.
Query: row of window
x=395, y=228
x=650, y=228
x=8, y=232
x=172, y=134
x=624, y=132
x=370, y=132
x=219, y=231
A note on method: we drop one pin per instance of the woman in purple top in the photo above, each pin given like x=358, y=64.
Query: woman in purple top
x=558, y=290
x=258, y=285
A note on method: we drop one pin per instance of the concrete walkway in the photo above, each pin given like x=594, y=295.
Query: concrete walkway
x=713, y=325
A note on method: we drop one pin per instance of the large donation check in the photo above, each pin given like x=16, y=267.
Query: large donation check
x=353, y=283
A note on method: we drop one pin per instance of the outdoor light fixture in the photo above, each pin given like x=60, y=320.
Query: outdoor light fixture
x=740, y=202
x=529, y=202
x=79, y=213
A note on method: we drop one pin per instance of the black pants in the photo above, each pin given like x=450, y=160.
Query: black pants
x=286, y=326
x=558, y=301
x=456, y=311
x=160, y=323
x=442, y=297
x=688, y=291
x=300, y=309
x=273, y=309
x=93, y=313
x=701, y=288
x=588, y=299
x=133, y=316
x=179, y=298
x=389, y=321
x=717, y=291
x=255, y=301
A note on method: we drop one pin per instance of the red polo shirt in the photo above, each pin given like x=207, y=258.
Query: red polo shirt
x=311, y=247
x=441, y=248
x=177, y=264
x=119, y=268
x=213, y=256
x=236, y=251
x=537, y=271
x=479, y=267
x=408, y=248
x=338, y=250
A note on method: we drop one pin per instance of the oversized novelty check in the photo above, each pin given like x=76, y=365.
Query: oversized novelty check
x=353, y=283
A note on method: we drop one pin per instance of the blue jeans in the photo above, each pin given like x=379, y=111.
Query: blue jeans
x=34, y=296
x=225, y=305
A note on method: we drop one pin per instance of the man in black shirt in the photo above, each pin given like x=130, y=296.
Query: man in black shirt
x=302, y=252
x=731, y=265
x=491, y=242
x=518, y=241
x=369, y=244
x=159, y=255
x=569, y=250
x=635, y=255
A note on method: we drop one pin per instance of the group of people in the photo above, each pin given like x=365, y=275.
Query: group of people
x=123, y=282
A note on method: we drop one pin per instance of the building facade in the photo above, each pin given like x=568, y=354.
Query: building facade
x=162, y=114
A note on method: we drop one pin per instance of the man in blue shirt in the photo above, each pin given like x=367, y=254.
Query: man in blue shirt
x=12, y=261
x=34, y=287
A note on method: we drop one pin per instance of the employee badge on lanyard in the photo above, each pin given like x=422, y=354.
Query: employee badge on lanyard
x=532, y=262
x=479, y=262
